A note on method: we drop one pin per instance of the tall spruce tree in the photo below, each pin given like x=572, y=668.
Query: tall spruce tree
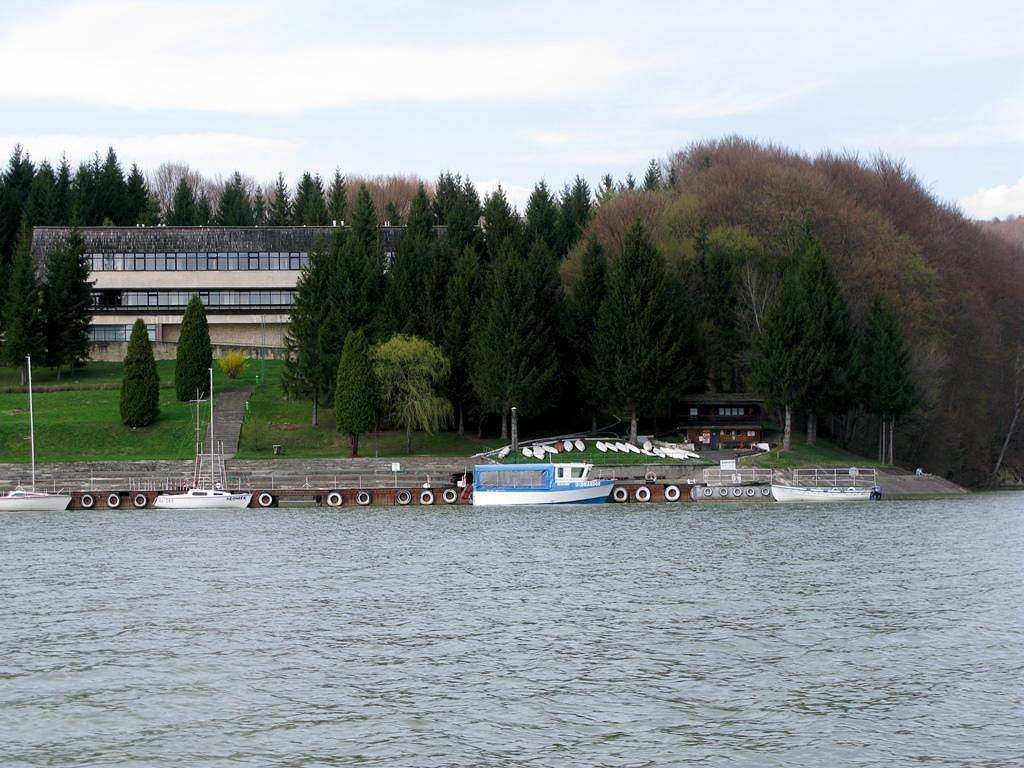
x=457, y=332
x=61, y=204
x=204, y=211
x=23, y=310
x=573, y=214
x=717, y=298
x=310, y=367
x=279, y=211
x=584, y=304
x=830, y=339
x=139, y=204
x=235, y=208
x=355, y=391
x=111, y=192
x=259, y=208
x=195, y=355
x=337, y=198
x=14, y=192
x=359, y=277
x=310, y=208
x=182, y=212
x=67, y=303
x=653, y=179
x=38, y=206
x=85, y=207
x=888, y=384
x=501, y=223
x=542, y=218
x=408, y=278
x=140, y=385
x=647, y=347
x=514, y=359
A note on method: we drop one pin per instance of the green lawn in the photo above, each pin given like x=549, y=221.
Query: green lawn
x=824, y=454
x=84, y=423
x=272, y=419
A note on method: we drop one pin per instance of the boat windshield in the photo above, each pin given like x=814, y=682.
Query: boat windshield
x=496, y=478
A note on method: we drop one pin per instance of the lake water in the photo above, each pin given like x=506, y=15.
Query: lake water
x=868, y=635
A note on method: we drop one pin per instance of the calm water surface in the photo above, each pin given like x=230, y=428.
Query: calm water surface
x=874, y=635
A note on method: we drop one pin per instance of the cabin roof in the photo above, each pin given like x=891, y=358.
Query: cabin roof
x=723, y=398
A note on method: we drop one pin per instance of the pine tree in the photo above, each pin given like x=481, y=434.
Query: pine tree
x=138, y=201
x=235, y=207
x=777, y=365
x=888, y=385
x=310, y=368
x=203, y=212
x=514, y=359
x=67, y=303
x=584, y=306
x=140, y=387
x=309, y=207
x=23, y=316
x=408, y=278
x=111, y=191
x=646, y=343
x=182, y=212
x=457, y=207
x=355, y=391
x=457, y=331
x=14, y=191
x=718, y=255
x=279, y=213
x=501, y=223
x=606, y=190
x=542, y=218
x=85, y=206
x=38, y=206
x=359, y=277
x=574, y=214
x=259, y=208
x=195, y=355
x=337, y=198
x=830, y=339
x=61, y=204
x=653, y=179
x=391, y=214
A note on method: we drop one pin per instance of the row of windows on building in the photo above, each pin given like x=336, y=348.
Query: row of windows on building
x=193, y=262
x=243, y=298
x=101, y=333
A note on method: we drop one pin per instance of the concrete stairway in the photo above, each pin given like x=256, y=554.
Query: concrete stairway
x=228, y=414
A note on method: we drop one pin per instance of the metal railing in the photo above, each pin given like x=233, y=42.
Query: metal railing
x=836, y=477
x=740, y=476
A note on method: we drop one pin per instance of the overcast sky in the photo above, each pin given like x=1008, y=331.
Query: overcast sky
x=515, y=92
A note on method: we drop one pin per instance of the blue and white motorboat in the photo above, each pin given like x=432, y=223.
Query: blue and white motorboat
x=524, y=484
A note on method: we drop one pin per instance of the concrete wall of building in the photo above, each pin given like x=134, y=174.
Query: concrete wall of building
x=114, y=351
x=198, y=280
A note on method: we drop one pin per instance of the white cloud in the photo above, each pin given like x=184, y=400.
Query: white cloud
x=210, y=153
x=1002, y=201
x=516, y=194
x=999, y=123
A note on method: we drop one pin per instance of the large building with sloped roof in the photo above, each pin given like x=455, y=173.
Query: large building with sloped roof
x=245, y=277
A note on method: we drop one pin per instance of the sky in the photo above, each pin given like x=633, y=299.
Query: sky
x=513, y=92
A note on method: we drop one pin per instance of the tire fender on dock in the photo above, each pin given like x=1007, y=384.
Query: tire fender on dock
x=450, y=495
x=402, y=498
x=87, y=501
x=265, y=499
x=643, y=494
x=671, y=493
x=363, y=498
x=139, y=500
x=334, y=499
x=114, y=500
x=427, y=498
x=620, y=494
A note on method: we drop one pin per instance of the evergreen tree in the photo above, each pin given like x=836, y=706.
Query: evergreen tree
x=501, y=223
x=111, y=192
x=182, y=212
x=408, y=278
x=457, y=207
x=337, y=198
x=574, y=214
x=391, y=214
x=67, y=304
x=139, y=203
x=421, y=220
x=61, y=205
x=310, y=368
x=14, y=191
x=195, y=355
x=203, y=212
x=514, y=359
x=140, y=386
x=653, y=180
x=457, y=331
x=310, y=208
x=646, y=343
x=888, y=386
x=259, y=208
x=23, y=316
x=542, y=218
x=718, y=255
x=584, y=306
x=279, y=213
x=777, y=366
x=235, y=207
x=85, y=206
x=606, y=190
x=355, y=391
x=38, y=206
x=359, y=276
x=830, y=339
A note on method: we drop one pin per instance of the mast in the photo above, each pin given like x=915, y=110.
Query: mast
x=212, y=481
x=31, y=421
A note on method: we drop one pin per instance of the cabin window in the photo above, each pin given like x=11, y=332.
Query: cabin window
x=199, y=493
x=531, y=478
x=577, y=472
x=693, y=411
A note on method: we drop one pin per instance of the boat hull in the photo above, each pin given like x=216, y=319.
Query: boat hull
x=596, y=493
x=40, y=503
x=183, y=501
x=796, y=493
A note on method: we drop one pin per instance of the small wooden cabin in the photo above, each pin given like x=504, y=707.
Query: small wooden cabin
x=729, y=420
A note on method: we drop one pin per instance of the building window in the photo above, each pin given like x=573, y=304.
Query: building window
x=109, y=333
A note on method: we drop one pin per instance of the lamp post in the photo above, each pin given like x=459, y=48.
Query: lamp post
x=515, y=429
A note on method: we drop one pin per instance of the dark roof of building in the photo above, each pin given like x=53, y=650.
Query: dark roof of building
x=198, y=239
x=723, y=398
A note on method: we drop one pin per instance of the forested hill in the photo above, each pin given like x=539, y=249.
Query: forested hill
x=1010, y=229
x=958, y=289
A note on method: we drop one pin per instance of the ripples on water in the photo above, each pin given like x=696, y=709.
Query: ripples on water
x=659, y=635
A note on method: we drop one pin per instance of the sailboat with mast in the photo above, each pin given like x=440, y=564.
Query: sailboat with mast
x=206, y=492
x=30, y=500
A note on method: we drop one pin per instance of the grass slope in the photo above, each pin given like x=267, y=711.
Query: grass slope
x=824, y=454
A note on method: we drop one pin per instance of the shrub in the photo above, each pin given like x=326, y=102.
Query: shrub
x=140, y=387
x=233, y=364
